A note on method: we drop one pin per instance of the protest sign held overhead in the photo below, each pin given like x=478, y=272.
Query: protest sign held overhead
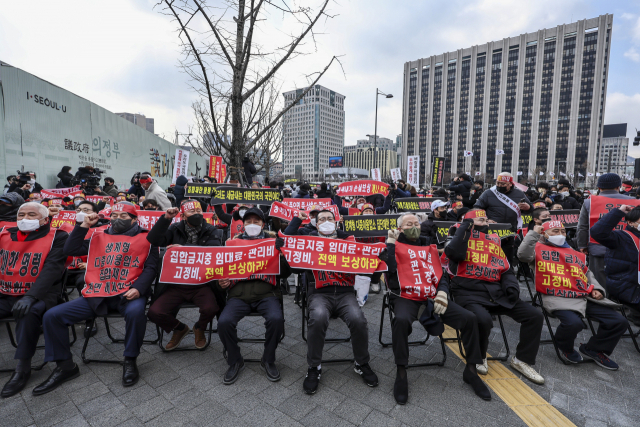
x=305, y=203
x=203, y=189
x=362, y=188
x=249, y=196
x=369, y=225
x=416, y=204
x=568, y=217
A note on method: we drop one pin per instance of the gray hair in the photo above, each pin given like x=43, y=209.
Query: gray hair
x=41, y=208
x=402, y=216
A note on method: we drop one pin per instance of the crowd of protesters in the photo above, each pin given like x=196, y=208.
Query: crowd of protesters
x=592, y=271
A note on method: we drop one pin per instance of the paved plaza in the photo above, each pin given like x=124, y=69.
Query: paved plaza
x=185, y=388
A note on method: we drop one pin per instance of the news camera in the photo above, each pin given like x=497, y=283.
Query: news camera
x=24, y=177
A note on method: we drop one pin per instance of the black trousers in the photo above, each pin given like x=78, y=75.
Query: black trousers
x=236, y=309
x=509, y=247
x=611, y=327
x=406, y=312
x=27, y=328
x=530, y=319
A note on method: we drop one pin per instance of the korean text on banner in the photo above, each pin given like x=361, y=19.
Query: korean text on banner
x=282, y=211
x=250, y=196
x=396, y=175
x=375, y=174
x=438, y=171
x=64, y=217
x=203, y=189
x=181, y=164
x=362, y=188
x=147, y=219
x=341, y=256
x=601, y=205
x=223, y=173
x=419, y=280
x=305, y=203
x=215, y=168
x=416, y=204
x=196, y=265
x=369, y=225
x=413, y=170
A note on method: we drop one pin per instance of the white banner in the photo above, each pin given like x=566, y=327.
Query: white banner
x=396, y=175
x=181, y=164
x=413, y=170
x=375, y=174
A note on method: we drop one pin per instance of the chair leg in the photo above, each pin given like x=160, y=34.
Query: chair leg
x=86, y=343
x=631, y=334
x=385, y=306
x=441, y=362
x=506, y=344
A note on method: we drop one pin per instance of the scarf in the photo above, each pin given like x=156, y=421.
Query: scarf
x=192, y=234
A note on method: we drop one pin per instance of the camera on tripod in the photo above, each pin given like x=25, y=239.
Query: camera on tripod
x=24, y=177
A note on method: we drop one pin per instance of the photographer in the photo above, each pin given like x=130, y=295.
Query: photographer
x=478, y=189
x=136, y=187
x=65, y=178
x=10, y=180
x=399, y=190
x=25, y=184
x=461, y=186
x=110, y=187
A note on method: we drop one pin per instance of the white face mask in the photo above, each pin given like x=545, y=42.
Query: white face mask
x=327, y=227
x=32, y=182
x=557, y=240
x=313, y=222
x=565, y=194
x=241, y=213
x=80, y=217
x=252, y=230
x=27, y=225
x=360, y=205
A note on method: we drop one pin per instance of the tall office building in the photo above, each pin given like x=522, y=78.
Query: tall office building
x=614, y=149
x=373, y=142
x=538, y=97
x=370, y=158
x=313, y=131
x=139, y=120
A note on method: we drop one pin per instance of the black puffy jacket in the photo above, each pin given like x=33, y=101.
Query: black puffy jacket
x=462, y=188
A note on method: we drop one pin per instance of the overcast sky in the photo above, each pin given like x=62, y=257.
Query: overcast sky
x=122, y=54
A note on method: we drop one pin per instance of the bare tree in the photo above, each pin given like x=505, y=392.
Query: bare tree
x=234, y=72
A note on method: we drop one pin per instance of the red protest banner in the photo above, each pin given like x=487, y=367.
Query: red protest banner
x=344, y=256
x=601, y=205
x=56, y=193
x=196, y=265
x=147, y=219
x=64, y=217
x=223, y=173
x=282, y=211
x=98, y=199
x=333, y=208
x=419, y=271
x=561, y=272
x=362, y=188
x=215, y=168
x=305, y=203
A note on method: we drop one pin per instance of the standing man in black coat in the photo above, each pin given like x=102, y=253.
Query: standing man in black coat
x=193, y=230
x=478, y=189
x=37, y=290
x=462, y=187
x=249, y=169
x=65, y=177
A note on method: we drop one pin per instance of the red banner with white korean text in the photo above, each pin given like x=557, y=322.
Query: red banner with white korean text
x=64, y=217
x=362, y=188
x=305, y=203
x=147, y=219
x=337, y=255
x=56, y=193
x=333, y=208
x=223, y=173
x=561, y=272
x=282, y=211
x=419, y=271
x=215, y=168
x=196, y=265
x=602, y=205
x=98, y=199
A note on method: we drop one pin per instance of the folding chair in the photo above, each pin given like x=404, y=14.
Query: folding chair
x=305, y=320
x=631, y=334
x=386, y=305
x=210, y=330
x=525, y=271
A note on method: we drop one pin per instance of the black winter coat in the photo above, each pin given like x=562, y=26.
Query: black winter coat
x=178, y=190
x=498, y=211
x=163, y=233
x=249, y=170
x=462, y=188
x=429, y=230
x=567, y=202
x=65, y=179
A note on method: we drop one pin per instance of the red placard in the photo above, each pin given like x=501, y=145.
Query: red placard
x=333, y=208
x=116, y=261
x=147, y=219
x=601, y=205
x=223, y=173
x=561, y=272
x=64, y=217
x=336, y=255
x=305, y=203
x=362, y=188
x=485, y=258
x=419, y=271
x=215, y=168
x=354, y=211
x=282, y=211
x=52, y=193
x=7, y=224
x=196, y=265
x=98, y=199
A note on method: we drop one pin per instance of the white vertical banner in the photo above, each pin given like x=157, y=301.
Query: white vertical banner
x=375, y=174
x=396, y=175
x=181, y=164
x=413, y=170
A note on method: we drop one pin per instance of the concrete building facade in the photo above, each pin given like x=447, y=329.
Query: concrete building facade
x=313, y=130
x=614, y=149
x=369, y=158
x=139, y=120
x=538, y=97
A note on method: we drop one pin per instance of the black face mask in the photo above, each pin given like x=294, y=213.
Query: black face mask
x=5, y=209
x=120, y=226
x=150, y=208
x=502, y=190
x=481, y=228
x=195, y=220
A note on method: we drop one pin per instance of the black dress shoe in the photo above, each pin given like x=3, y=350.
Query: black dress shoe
x=272, y=372
x=130, y=375
x=57, y=377
x=233, y=372
x=479, y=387
x=90, y=332
x=401, y=389
x=15, y=384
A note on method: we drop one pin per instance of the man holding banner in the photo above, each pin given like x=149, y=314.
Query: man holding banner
x=121, y=266
x=259, y=292
x=416, y=279
x=193, y=230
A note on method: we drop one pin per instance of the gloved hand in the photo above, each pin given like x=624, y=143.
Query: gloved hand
x=392, y=236
x=440, y=302
x=22, y=307
x=279, y=243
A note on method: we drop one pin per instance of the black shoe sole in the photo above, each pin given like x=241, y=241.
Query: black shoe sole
x=310, y=392
x=400, y=403
x=486, y=399
x=74, y=376
x=597, y=362
x=225, y=382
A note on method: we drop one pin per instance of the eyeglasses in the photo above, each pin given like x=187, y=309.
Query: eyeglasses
x=325, y=219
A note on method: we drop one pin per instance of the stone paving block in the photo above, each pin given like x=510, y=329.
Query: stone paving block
x=13, y=412
x=77, y=421
x=138, y=396
x=55, y=415
x=377, y=418
x=151, y=408
x=113, y=417
x=320, y=417
x=98, y=405
x=262, y=415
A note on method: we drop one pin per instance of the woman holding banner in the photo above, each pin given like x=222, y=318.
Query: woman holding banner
x=415, y=283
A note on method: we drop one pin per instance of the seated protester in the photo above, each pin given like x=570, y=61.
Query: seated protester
x=621, y=257
x=584, y=298
x=329, y=294
x=438, y=309
x=192, y=230
x=138, y=260
x=491, y=288
x=234, y=219
x=9, y=205
x=565, y=199
x=258, y=292
x=77, y=199
x=78, y=266
x=34, y=244
x=35, y=197
x=556, y=207
x=539, y=216
x=627, y=187
x=428, y=229
x=452, y=215
x=151, y=205
x=295, y=227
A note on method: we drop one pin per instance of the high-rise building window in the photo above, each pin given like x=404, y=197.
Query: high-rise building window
x=424, y=119
x=413, y=84
x=494, y=111
x=478, y=104
x=449, y=114
x=465, y=79
x=587, y=80
x=437, y=101
x=546, y=98
x=564, y=107
x=509, y=110
x=527, y=108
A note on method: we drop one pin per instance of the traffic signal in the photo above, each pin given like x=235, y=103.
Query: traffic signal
x=636, y=140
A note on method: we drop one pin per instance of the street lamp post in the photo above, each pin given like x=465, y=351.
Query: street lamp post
x=375, y=129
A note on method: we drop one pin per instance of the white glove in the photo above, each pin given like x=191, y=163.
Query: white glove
x=440, y=303
x=392, y=236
